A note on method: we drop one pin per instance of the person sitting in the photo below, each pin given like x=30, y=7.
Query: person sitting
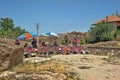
x=30, y=49
x=65, y=50
x=43, y=44
x=55, y=44
x=17, y=42
x=25, y=45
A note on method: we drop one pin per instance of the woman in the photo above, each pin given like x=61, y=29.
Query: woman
x=74, y=41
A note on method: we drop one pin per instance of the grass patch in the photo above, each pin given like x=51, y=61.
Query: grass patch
x=70, y=74
x=51, y=65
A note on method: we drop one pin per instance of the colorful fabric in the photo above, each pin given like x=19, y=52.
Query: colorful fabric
x=27, y=35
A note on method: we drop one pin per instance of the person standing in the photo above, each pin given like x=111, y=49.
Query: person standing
x=74, y=42
x=66, y=40
x=34, y=43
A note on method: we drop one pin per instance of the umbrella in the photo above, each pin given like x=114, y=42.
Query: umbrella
x=49, y=34
x=27, y=35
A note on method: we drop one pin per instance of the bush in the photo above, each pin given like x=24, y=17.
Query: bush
x=101, y=32
x=82, y=42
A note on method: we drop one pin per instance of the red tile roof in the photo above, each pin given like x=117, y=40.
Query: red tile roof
x=111, y=18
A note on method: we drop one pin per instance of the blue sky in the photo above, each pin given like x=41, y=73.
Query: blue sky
x=57, y=16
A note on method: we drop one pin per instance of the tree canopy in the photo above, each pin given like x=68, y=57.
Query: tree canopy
x=7, y=28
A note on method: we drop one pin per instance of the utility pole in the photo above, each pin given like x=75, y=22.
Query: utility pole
x=37, y=27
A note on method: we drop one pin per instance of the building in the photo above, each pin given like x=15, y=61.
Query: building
x=112, y=19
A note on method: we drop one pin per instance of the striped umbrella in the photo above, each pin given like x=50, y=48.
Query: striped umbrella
x=27, y=35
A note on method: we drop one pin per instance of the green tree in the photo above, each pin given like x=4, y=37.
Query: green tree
x=101, y=32
x=18, y=31
x=7, y=28
x=6, y=23
x=117, y=33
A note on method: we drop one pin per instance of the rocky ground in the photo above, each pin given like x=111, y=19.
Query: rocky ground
x=91, y=67
x=85, y=67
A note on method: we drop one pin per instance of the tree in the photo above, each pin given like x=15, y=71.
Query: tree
x=6, y=23
x=18, y=31
x=101, y=32
x=7, y=28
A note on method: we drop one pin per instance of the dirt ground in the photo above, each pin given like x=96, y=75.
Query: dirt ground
x=92, y=67
x=87, y=66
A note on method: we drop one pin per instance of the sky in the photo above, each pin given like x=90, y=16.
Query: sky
x=59, y=16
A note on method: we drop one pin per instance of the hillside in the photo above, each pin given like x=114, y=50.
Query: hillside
x=51, y=39
x=9, y=54
x=57, y=67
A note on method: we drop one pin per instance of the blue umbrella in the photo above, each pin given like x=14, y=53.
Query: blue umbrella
x=49, y=34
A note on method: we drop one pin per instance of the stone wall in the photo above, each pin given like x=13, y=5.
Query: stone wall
x=111, y=51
